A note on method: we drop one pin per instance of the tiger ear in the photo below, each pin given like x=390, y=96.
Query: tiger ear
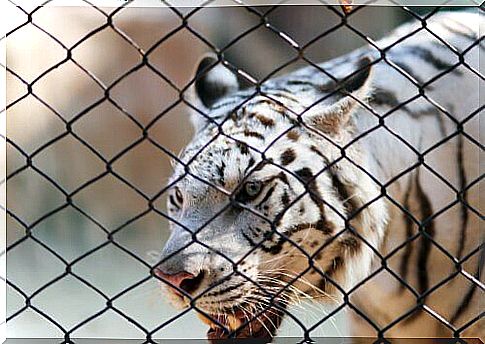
x=213, y=81
x=332, y=118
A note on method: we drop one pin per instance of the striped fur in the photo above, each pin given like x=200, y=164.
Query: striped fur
x=335, y=149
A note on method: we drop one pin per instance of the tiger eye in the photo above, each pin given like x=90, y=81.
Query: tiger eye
x=252, y=188
x=178, y=195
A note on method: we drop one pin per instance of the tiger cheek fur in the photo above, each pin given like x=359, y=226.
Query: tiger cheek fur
x=279, y=196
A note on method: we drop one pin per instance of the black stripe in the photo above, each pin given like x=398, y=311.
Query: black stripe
x=462, y=197
x=465, y=303
x=306, y=176
x=358, y=78
x=350, y=244
x=285, y=199
x=262, y=164
x=281, y=94
x=466, y=33
x=266, y=197
x=282, y=89
x=426, y=212
x=172, y=202
x=344, y=195
x=336, y=264
x=301, y=82
x=264, y=101
x=250, y=133
x=256, y=231
x=243, y=147
x=428, y=57
x=287, y=157
x=278, y=245
x=277, y=107
x=266, y=121
x=381, y=96
x=248, y=239
x=226, y=300
x=386, y=97
x=431, y=111
x=221, y=105
x=342, y=191
x=425, y=244
x=178, y=195
x=226, y=290
x=251, y=163
x=268, y=236
x=298, y=228
x=220, y=170
x=281, y=176
x=405, y=67
x=404, y=265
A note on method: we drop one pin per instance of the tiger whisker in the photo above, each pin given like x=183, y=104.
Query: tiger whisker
x=312, y=312
x=304, y=281
x=264, y=314
x=261, y=322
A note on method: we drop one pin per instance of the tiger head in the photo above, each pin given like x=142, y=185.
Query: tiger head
x=270, y=202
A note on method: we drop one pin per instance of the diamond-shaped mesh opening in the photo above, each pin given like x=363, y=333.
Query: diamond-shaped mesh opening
x=155, y=98
x=88, y=19
x=78, y=157
x=156, y=20
x=152, y=228
x=46, y=267
x=74, y=293
x=115, y=192
x=73, y=244
x=110, y=276
x=159, y=55
x=320, y=199
x=140, y=302
x=108, y=143
x=161, y=135
x=38, y=44
x=334, y=32
x=46, y=197
x=104, y=326
x=17, y=89
x=51, y=87
x=90, y=51
x=30, y=134
x=36, y=322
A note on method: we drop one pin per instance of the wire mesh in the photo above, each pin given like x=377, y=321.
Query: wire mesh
x=262, y=14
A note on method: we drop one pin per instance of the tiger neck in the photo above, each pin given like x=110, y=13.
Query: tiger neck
x=386, y=156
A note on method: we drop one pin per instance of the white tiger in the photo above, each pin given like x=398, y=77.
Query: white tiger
x=354, y=182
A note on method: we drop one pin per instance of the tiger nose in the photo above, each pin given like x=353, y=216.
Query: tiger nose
x=181, y=280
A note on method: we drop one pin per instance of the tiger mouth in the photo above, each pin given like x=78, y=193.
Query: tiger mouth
x=261, y=325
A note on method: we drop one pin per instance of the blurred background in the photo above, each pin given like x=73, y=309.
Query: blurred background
x=117, y=202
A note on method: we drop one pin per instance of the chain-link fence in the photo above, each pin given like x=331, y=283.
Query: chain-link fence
x=85, y=227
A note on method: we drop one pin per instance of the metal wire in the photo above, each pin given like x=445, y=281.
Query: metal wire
x=263, y=22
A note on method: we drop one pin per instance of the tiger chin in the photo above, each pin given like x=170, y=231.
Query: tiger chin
x=278, y=197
